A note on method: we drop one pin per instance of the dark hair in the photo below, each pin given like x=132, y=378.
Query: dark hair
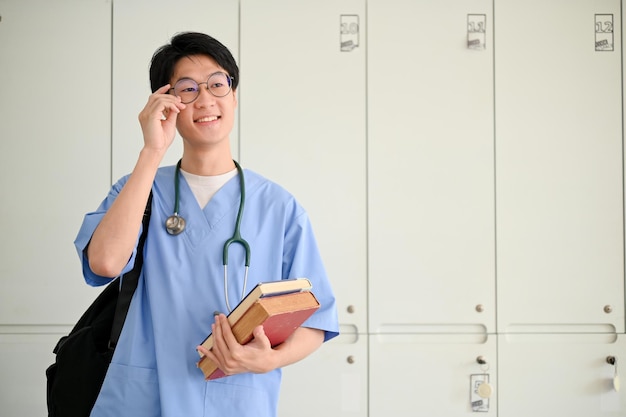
x=186, y=44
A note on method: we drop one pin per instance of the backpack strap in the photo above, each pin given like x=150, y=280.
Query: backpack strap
x=130, y=281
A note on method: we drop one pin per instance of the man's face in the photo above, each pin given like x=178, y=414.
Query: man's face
x=208, y=120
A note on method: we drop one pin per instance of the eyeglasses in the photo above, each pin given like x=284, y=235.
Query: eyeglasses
x=218, y=84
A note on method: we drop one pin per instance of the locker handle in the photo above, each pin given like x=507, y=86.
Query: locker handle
x=612, y=360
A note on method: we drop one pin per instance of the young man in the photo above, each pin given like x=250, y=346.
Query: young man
x=153, y=372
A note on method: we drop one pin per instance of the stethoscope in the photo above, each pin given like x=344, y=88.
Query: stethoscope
x=175, y=224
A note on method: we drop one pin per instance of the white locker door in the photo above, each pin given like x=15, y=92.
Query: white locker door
x=54, y=165
x=559, y=166
x=25, y=358
x=302, y=107
x=432, y=375
x=54, y=152
x=332, y=382
x=302, y=104
x=140, y=27
x=548, y=375
x=431, y=165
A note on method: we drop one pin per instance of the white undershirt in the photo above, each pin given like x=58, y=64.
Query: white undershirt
x=205, y=187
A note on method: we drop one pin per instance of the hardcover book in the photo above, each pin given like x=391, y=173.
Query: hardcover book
x=280, y=306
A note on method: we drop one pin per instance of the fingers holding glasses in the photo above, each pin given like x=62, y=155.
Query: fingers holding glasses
x=162, y=105
x=158, y=118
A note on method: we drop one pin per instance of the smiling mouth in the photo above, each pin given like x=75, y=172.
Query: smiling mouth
x=207, y=119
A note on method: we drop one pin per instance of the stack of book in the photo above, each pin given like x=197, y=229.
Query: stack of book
x=280, y=306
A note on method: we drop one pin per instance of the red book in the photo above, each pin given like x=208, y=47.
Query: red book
x=280, y=315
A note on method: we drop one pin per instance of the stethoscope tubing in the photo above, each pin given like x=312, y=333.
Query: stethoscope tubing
x=175, y=225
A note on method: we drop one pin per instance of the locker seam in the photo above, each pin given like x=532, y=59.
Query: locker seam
x=495, y=207
x=621, y=28
x=239, y=60
x=112, y=5
x=367, y=211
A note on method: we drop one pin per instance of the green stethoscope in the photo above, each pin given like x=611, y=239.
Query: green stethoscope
x=175, y=224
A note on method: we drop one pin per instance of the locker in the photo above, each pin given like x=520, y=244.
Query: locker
x=54, y=153
x=431, y=375
x=302, y=104
x=302, y=107
x=131, y=63
x=331, y=382
x=430, y=166
x=559, y=374
x=24, y=361
x=559, y=166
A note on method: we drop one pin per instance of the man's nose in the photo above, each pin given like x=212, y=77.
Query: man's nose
x=204, y=94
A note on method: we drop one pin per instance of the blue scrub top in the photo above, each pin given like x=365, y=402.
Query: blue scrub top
x=153, y=371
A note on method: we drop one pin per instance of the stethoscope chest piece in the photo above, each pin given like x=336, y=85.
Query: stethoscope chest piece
x=175, y=224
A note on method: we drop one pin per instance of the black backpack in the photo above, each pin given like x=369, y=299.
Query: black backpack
x=83, y=356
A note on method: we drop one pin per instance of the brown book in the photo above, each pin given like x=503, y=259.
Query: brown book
x=281, y=309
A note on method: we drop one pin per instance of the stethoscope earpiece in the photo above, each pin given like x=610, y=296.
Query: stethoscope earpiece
x=175, y=224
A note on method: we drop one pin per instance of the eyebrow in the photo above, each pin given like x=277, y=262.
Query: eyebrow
x=206, y=78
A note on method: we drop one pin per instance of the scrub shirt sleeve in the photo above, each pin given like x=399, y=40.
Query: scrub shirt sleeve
x=302, y=259
x=89, y=225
